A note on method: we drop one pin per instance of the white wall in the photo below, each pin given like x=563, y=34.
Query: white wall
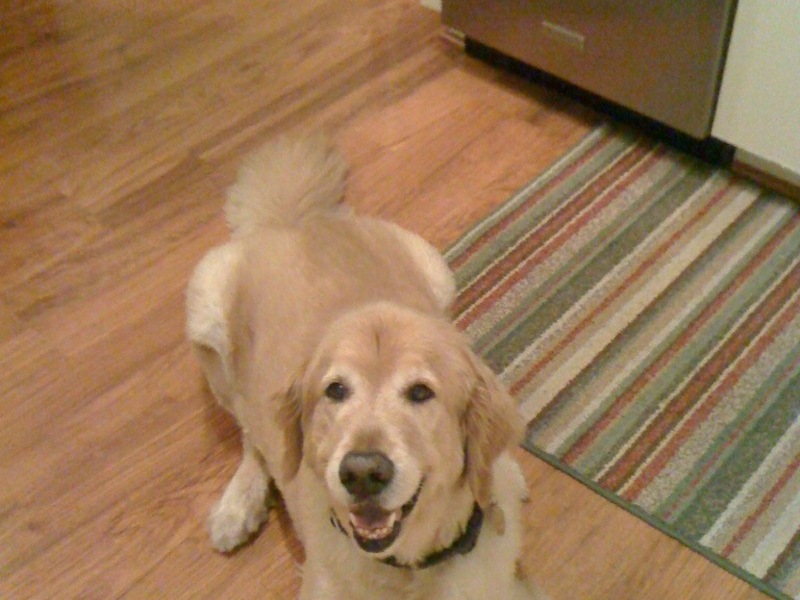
x=759, y=104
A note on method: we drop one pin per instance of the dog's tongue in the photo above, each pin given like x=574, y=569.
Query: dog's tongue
x=370, y=517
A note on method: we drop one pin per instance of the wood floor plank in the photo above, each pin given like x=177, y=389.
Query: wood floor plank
x=100, y=62
x=147, y=511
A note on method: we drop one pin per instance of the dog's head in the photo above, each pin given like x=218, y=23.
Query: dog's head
x=397, y=416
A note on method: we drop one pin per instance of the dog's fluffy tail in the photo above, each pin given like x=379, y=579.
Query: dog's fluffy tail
x=284, y=181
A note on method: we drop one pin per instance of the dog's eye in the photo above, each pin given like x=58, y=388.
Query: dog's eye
x=419, y=392
x=337, y=391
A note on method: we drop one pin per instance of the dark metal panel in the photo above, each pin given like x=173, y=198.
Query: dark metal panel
x=662, y=58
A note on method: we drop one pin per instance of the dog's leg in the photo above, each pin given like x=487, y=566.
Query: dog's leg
x=209, y=300
x=433, y=266
x=242, y=508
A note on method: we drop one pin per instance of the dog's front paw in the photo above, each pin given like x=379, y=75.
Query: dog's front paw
x=231, y=524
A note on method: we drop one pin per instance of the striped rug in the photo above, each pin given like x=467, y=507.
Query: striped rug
x=645, y=310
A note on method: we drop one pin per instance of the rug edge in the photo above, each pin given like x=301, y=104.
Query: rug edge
x=657, y=523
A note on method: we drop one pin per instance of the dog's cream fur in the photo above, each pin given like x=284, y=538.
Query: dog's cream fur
x=307, y=294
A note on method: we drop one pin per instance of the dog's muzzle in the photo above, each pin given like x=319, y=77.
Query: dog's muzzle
x=365, y=475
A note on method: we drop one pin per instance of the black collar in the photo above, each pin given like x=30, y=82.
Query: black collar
x=463, y=544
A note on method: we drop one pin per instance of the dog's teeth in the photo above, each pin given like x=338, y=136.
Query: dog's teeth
x=374, y=534
x=377, y=532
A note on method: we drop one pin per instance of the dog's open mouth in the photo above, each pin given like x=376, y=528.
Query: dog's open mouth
x=374, y=528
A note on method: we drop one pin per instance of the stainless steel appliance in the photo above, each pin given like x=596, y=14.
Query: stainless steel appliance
x=660, y=58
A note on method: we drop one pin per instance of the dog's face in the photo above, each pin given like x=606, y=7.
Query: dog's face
x=396, y=415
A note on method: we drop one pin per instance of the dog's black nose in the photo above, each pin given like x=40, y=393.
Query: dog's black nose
x=365, y=474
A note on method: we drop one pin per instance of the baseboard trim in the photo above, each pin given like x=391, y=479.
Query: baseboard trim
x=767, y=174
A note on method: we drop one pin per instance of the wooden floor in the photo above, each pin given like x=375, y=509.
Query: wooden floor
x=121, y=124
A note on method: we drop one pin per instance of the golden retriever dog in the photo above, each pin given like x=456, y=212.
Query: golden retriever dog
x=326, y=335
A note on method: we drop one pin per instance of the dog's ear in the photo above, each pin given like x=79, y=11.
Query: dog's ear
x=289, y=418
x=492, y=425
